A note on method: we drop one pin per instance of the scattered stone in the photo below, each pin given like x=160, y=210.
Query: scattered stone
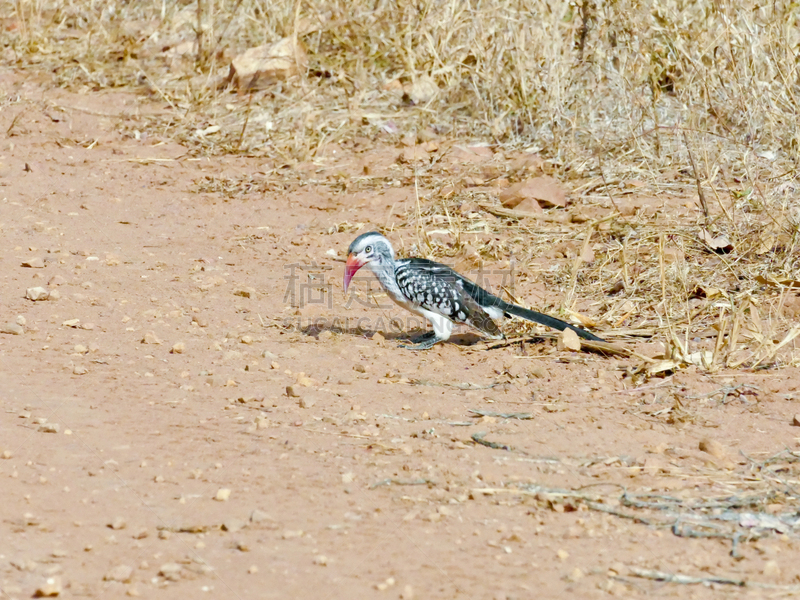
x=321, y=560
x=33, y=263
x=325, y=335
x=36, y=294
x=12, y=328
x=51, y=587
x=378, y=338
x=170, y=571
x=7, y=454
x=292, y=391
x=305, y=403
x=233, y=525
x=359, y=368
x=49, y=428
x=259, y=516
x=568, y=340
x=118, y=523
x=200, y=321
x=178, y=348
x=562, y=555
x=71, y=323
x=79, y=370
x=713, y=447
x=222, y=495
x=772, y=568
x=150, y=338
x=408, y=593
x=245, y=292
x=382, y=587
x=247, y=339
x=80, y=349
x=252, y=570
x=54, y=295
x=796, y=420
x=121, y=573
x=291, y=534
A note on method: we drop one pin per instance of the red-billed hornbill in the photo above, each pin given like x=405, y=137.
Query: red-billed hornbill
x=438, y=293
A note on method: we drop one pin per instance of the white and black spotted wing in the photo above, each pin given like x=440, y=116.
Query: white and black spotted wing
x=440, y=289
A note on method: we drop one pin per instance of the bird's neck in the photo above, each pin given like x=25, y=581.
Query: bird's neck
x=385, y=272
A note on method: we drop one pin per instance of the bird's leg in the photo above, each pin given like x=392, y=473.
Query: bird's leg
x=423, y=342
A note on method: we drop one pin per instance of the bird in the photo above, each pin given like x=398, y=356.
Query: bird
x=438, y=293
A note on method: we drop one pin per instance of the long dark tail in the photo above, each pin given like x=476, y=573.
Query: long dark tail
x=547, y=320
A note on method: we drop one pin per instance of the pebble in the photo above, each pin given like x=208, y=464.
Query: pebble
x=79, y=370
x=222, y=495
x=150, y=338
x=568, y=340
x=200, y=321
x=178, y=348
x=80, y=349
x=121, y=573
x=321, y=560
x=772, y=569
x=12, y=328
x=713, y=447
x=54, y=295
x=33, y=263
x=118, y=523
x=796, y=420
x=233, y=525
x=259, y=516
x=305, y=403
x=252, y=570
x=292, y=391
x=170, y=571
x=51, y=587
x=36, y=293
x=50, y=428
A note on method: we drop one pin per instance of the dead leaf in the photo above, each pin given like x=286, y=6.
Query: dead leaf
x=547, y=191
x=719, y=244
x=260, y=67
x=569, y=340
x=771, y=280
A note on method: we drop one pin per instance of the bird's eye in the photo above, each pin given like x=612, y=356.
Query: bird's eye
x=368, y=249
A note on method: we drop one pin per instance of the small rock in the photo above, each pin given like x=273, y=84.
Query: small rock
x=170, y=571
x=568, y=340
x=259, y=516
x=80, y=349
x=121, y=573
x=118, y=523
x=12, y=328
x=6, y=454
x=33, y=263
x=713, y=447
x=305, y=403
x=562, y=555
x=537, y=371
x=772, y=568
x=245, y=292
x=292, y=391
x=36, y=294
x=51, y=587
x=79, y=370
x=385, y=585
x=321, y=560
x=178, y=348
x=222, y=495
x=252, y=570
x=378, y=338
x=233, y=525
x=150, y=338
x=359, y=368
x=50, y=428
x=796, y=420
x=408, y=593
x=54, y=295
x=247, y=339
x=200, y=321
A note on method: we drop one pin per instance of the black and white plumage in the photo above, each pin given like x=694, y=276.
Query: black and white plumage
x=437, y=293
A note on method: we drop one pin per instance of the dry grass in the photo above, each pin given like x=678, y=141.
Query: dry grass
x=685, y=99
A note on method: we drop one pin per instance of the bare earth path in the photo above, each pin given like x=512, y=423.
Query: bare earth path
x=150, y=447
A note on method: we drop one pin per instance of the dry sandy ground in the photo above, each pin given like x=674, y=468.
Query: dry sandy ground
x=150, y=447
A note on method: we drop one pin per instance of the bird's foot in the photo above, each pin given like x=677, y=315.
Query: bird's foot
x=423, y=342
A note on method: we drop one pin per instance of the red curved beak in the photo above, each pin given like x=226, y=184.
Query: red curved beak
x=351, y=266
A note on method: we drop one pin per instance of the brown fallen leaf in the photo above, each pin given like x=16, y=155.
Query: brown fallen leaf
x=719, y=243
x=547, y=191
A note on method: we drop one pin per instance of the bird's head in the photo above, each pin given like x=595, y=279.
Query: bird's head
x=370, y=249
